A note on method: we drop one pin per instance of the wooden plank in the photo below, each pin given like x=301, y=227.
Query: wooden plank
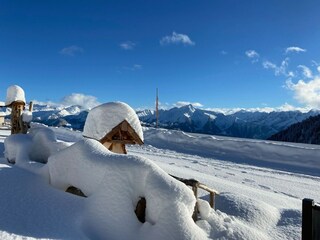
x=204, y=187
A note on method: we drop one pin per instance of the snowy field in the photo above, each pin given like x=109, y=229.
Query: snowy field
x=261, y=186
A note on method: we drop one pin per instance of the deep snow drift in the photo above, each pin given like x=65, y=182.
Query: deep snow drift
x=261, y=185
x=113, y=185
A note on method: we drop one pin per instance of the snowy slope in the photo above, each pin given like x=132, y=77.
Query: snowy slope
x=261, y=184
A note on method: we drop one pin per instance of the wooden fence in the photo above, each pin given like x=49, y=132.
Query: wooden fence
x=194, y=184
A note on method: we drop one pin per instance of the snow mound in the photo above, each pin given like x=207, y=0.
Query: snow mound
x=15, y=93
x=114, y=184
x=27, y=116
x=255, y=212
x=238, y=217
x=36, y=146
x=103, y=118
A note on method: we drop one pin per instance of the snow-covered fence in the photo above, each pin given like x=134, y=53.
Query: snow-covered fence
x=194, y=184
x=310, y=220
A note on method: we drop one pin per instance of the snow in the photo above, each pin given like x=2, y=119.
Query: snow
x=27, y=116
x=103, y=118
x=36, y=146
x=15, y=93
x=261, y=185
x=114, y=184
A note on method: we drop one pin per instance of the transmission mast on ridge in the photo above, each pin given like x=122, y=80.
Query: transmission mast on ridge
x=157, y=109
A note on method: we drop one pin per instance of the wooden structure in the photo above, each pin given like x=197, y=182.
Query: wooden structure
x=17, y=125
x=310, y=220
x=140, y=210
x=195, y=185
x=119, y=136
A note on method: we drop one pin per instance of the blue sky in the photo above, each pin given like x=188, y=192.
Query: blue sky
x=216, y=54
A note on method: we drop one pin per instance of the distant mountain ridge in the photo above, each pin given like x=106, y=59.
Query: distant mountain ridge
x=247, y=124
x=307, y=131
x=244, y=124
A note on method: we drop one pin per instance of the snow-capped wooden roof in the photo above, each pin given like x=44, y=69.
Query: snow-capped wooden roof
x=113, y=121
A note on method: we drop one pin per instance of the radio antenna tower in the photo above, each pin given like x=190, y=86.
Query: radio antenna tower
x=157, y=109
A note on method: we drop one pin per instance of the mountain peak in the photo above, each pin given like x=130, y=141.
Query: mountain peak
x=188, y=107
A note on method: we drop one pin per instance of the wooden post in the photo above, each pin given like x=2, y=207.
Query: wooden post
x=30, y=106
x=195, y=212
x=307, y=231
x=16, y=121
x=212, y=195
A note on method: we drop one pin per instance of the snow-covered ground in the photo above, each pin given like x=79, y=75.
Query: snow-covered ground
x=261, y=186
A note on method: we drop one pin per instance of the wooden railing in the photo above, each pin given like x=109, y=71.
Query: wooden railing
x=194, y=184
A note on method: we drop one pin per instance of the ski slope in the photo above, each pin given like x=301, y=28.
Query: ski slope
x=261, y=186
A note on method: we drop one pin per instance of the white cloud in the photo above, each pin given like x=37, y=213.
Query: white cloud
x=184, y=103
x=71, y=51
x=134, y=67
x=306, y=71
x=316, y=64
x=283, y=108
x=307, y=93
x=252, y=54
x=295, y=49
x=279, y=70
x=80, y=99
x=287, y=107
x=269, y=65
x=128, y=45
x=177, y=38
x=223, y=52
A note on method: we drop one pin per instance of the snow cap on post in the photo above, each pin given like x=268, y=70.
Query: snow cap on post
x=15, y=94
x=104, y=118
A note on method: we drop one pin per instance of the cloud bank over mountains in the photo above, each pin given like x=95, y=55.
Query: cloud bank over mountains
x=301, y=80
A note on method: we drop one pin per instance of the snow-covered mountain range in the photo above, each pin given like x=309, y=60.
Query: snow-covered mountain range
x=248, y=124
x=242, y=123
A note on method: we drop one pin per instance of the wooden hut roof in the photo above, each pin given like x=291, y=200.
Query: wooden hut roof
x=122, y=133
